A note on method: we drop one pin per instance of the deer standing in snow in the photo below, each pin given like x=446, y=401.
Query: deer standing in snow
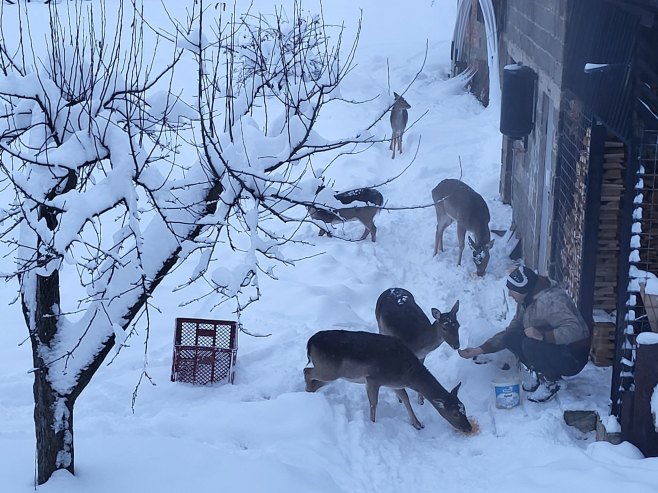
x=399, y=118
x=364, y=214
x=454, y=200
x=398, y=315
x=379, y=361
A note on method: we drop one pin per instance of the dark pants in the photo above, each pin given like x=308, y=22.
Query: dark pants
x=551, y=360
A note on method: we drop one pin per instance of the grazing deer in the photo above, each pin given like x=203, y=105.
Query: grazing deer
x=398, y=315
x=365, y=214
x=454, y=200
x=379, y=361
x=399, y=118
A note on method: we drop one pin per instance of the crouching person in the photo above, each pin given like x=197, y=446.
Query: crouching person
x=547, y=334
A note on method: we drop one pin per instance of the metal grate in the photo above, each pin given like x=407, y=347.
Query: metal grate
x=640, y=216
x=647, y=215
x=205, y=351
x=644, y=249
x=570, y=196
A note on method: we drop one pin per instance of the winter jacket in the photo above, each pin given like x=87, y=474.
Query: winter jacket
x=552, y=312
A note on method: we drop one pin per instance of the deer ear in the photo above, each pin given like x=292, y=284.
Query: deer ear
x=436, y=313
x=490, y=244
x=455, y=308
x=471, y=243
x=439, y=403
x=456, y=389
x=396, y=95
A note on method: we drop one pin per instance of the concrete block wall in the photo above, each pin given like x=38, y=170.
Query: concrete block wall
x=532, y=32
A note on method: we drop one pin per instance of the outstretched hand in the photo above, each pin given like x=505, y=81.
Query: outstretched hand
x=470, y=352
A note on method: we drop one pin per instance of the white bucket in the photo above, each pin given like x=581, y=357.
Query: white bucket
x=507, y=393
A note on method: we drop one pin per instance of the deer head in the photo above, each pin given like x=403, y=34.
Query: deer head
x=452, y=410
x=480, y=255
x=400, y=103
x=447, y=325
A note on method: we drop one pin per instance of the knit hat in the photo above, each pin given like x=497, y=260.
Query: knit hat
x=522, y=280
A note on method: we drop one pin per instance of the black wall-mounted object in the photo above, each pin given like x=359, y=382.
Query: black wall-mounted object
x=517, y=111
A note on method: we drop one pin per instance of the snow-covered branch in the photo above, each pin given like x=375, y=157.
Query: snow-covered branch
x=118, y=172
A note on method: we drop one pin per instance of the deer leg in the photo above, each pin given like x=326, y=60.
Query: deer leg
x=372, y=389
x=438, y=240
x=461, y=233
x=312, y=384
x=442, y=222
x=371, y=230
x=404, y=398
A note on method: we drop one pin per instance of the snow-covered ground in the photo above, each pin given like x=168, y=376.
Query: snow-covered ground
x=264, y=433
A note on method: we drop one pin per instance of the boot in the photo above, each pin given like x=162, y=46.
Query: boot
x=545, y=391
x=530, y=380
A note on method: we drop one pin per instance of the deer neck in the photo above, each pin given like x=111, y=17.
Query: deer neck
x=423, y=382
x=482, y=234
x=428, y=341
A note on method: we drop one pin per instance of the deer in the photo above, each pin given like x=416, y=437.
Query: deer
x=365, y=214
x=454, y=200
x=379, y=361
x=399, y=315
x=399, y=118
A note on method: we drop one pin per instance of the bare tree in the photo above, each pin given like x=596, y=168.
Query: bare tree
x=262, y=83
x=103, y=199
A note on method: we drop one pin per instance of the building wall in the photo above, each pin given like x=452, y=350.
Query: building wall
x=533, y=33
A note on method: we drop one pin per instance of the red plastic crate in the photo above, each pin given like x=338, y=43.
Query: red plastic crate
x=205, y=351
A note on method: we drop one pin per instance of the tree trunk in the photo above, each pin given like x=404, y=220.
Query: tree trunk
x=53, y=413
x=53, y=423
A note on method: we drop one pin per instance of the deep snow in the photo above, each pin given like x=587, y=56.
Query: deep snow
x=264, y=433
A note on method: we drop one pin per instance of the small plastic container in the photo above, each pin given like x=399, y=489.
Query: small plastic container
x=507, y=393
